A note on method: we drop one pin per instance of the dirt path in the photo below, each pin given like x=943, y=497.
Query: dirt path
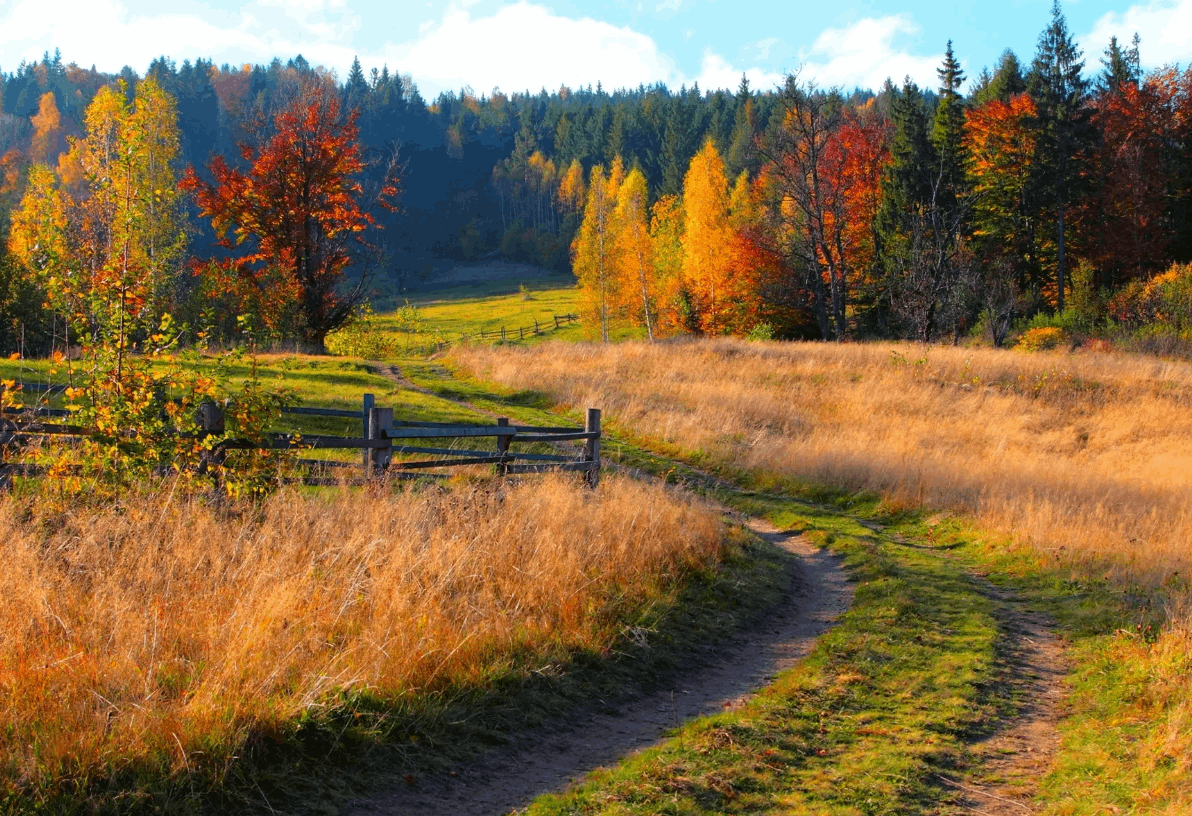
x=1008, y=764
x=507, y=778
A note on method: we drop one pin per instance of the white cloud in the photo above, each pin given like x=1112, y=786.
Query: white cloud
x=863, y=54
x=526, y=46
x=98, y=31
x=716, y=72
x=1164, y=27
x=104, y=33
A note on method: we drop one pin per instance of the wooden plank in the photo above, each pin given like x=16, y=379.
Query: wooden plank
x=573, y=436
x=430, y=463
x=323, y=412
x=326, y=442
x=592, y=447
x=448, y=431
x=439, y=451
x=531, y=429
x=48, y=412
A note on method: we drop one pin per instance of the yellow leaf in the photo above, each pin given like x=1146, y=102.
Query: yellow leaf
x=14, y=356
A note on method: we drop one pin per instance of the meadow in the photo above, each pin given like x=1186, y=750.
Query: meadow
x=1087, y=456
x=161, y=636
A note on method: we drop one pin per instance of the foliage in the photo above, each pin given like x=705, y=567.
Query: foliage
x=1164, y=301
x=1042, y=338
x=294, y=220
x=360, y=336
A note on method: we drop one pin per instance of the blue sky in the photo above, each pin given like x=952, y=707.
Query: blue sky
x=545, y=43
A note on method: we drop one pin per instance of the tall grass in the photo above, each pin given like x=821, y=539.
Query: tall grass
x=1088, y=456
x=160, y=634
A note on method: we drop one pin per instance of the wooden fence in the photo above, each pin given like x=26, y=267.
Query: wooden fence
x=522, y=332
x=390, y=446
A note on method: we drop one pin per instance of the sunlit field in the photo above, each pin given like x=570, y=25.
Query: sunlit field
x=161, y=634
x=1087, y=456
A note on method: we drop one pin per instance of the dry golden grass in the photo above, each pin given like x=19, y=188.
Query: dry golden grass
x=1089, y=456
x=164, y=632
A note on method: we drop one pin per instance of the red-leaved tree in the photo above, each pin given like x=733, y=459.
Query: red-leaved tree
x=295, y=220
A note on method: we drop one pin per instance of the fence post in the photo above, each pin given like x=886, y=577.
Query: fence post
x=521, y=332
x=556, y=317
x=502, y=446
x=536, y=332
x=380, y=420
x=502, y=334
x=592, y=448
x=211, y=423
x=365, y=411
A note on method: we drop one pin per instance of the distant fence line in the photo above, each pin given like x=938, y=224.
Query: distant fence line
x=382, y=439
x=522, y=332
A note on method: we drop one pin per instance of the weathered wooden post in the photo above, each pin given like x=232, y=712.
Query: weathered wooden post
x=521, y=332
x=502, y=446
x=211, y=423
x=380, y=420
x=556, y=317
x=365, y=411
x=592, y=447
x=536, y=331
x=502, y=334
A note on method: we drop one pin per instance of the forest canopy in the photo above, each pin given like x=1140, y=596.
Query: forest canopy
x=1057, y=186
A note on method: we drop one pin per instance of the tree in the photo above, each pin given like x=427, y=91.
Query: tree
x=706, y=237
x=1059, y=90
x=109, y=257
x=1122, y=66
x=1000, y=138
x=294, y=221
x=47, y=131
x=635, y=251
x=594, y=249
x=807, y=203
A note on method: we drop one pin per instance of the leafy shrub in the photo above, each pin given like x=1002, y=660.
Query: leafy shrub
x=1164, y=302
x=1041, y=338
x=362, y=337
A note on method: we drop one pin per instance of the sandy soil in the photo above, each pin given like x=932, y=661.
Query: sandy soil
x=507, y=778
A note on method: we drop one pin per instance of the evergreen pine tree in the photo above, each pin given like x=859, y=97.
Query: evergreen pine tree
x=1059, y=89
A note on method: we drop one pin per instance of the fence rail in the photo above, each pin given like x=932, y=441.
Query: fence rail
x=382, y=439
x=522, y=332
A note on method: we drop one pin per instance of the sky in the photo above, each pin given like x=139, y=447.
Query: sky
x=534, y=44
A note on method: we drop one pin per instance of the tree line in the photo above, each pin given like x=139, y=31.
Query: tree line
x=909, y=213
x=796, y=211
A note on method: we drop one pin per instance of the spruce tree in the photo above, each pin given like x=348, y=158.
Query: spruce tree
x=947, y=134
x=1121, y=66
x=1059, y=89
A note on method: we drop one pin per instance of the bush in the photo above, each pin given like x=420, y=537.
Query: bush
x=362, y=337
x=1163, y=304
x=1041, y=338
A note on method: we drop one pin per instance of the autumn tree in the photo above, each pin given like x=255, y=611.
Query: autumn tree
x=293, y=221
x=1000, y=139
x=707, y=235
x=807, y=168
x=594, y=250
x=108, y=251
x=47, y=131
x=635, y=250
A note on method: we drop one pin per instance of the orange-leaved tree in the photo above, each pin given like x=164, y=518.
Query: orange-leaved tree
x=294, y=220
x=635, y=252
x=594, y=250
x=707, y=255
